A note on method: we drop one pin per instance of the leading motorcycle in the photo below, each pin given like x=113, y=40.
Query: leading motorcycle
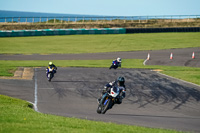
x=108, y=99
x=50, y=73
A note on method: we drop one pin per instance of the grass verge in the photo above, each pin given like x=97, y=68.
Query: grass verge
x=97, y=43
x=18, y=116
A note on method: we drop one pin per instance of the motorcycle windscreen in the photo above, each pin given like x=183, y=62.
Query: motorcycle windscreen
x=114, y=91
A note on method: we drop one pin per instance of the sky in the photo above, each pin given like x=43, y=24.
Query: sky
x=105, y=7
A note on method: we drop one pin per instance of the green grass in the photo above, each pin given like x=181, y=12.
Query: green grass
x=97, y=43
x=17, y=116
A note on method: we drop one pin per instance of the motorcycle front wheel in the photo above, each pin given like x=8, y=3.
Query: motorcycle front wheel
x=106, y=106
x=99, y=109
x=49, y=77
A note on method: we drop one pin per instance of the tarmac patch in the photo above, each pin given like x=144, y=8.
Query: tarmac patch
x=25, y=73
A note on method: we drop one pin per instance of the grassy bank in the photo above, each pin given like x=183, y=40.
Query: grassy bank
x=57, y=24
x=97, y=43
x=18, y=116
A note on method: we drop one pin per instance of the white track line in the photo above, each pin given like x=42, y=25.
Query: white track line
x=179, y=79
x=45, y=88
x=35, y=104
x=144, y=63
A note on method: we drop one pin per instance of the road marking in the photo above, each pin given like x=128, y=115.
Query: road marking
x=36, y=109
x=179, y=79
x=45, y=88
x=33, y=105
x=158, y=90
x=144, y=63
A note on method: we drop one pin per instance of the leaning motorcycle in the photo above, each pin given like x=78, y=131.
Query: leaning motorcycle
x=108, y=99
x=114, y=65
x=50, y=73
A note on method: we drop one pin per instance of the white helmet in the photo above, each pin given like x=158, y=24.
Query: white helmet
x=119, y=59
x=50, y=63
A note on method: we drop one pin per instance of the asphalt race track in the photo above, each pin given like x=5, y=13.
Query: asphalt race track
x=152, y=100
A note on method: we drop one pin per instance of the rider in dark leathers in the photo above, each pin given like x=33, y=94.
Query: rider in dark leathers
x=118, y=83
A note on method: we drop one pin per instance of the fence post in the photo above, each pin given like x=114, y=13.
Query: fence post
x=139, y=19
x=97, y=20
x=26, y=20
x=33, y=20
x=40, y=19
x=12, y=19
x=163, y=20
x=54, y=20
x=146, y=19
x=5, y=19
x=188, y=19
x=47, y=20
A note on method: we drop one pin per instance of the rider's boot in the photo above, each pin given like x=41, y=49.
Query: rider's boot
x=98, y=100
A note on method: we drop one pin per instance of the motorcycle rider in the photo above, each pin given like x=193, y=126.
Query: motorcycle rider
x=51, y=65
x=117, y=83
x=117, y=62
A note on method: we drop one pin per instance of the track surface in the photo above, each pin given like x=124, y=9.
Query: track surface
x=152, y=100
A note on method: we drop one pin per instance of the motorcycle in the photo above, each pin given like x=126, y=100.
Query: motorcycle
x=108, y=99
x=50, y=73
x=115, y=65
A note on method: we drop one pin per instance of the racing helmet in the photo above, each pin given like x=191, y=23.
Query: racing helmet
x=50, y=63
x=119, y=59
x=121, y=81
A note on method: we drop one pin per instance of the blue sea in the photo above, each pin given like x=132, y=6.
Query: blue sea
x=9, y=15
x=18, y=16
x=4, y=13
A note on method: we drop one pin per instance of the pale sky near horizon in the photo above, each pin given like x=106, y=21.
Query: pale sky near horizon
x=105, y=7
